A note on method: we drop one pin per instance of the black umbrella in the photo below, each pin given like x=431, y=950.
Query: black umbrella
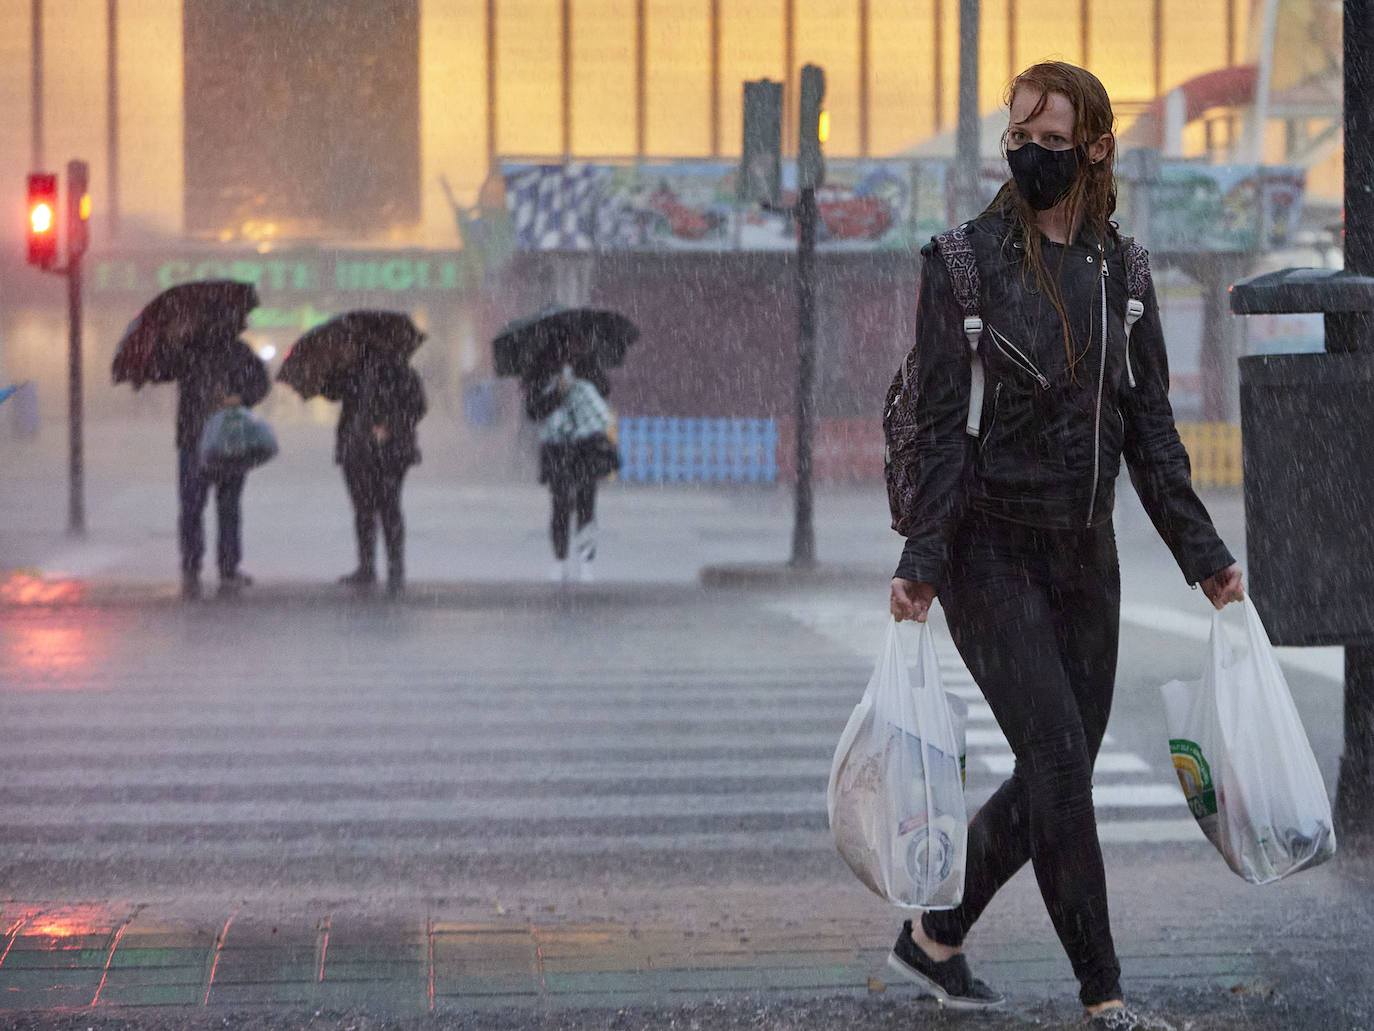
x=321, y=360
x=589, y=339
x=153, y=348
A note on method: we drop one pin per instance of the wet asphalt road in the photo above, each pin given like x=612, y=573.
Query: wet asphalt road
x=656, y=755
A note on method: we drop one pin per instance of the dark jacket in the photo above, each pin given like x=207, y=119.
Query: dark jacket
x=1052, y=439
x=212, y=370
x=384, y=393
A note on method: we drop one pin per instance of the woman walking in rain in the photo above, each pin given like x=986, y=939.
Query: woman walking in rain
x=375, y=443
x=1006, y=508
x=575, y=451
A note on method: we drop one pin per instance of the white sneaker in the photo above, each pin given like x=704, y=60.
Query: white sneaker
x=585, y=573
x=560, y=572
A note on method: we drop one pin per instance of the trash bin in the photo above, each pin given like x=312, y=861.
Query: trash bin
x=1307, y=450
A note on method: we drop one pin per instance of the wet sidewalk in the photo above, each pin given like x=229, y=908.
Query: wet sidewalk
x=475, y=517
x=100, y=956
x=170, y=960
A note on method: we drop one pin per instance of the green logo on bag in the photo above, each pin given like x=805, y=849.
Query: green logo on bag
x=1195, y=776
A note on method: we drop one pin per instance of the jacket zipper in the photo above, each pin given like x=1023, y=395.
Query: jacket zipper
x=996, y=400
x=1017, y=357
x=1101, y=380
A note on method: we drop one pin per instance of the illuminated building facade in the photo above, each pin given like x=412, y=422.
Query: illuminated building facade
x=324, y=146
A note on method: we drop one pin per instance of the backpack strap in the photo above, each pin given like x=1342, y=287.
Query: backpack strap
x=1137, y=286
x=962, y=265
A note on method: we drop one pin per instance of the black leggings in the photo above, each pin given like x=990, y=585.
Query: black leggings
x=1034, y=614
x=569, y=493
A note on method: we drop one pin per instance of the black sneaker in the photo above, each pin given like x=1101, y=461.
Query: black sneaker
x=190, y=586
x=951, y=981
x=1123, y=1018
x=359, y=578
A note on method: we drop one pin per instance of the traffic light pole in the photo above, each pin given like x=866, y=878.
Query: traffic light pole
x=76, y=488
x=803, y=526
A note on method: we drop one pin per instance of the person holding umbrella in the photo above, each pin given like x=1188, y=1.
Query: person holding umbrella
x=219, y=370
x=189, y=334
x=575, y=451
x=561, y=356
x=375, y=443
x=361, y=359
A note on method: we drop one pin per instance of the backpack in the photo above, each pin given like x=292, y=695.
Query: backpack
x=961, y=263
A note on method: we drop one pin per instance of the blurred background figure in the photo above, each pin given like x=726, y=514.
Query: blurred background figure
x=575, y=450
x=362, y=359
x=190, y=334
x=376, y=444
x=561, y=356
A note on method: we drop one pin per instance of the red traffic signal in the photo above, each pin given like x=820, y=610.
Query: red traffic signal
x=42, y=228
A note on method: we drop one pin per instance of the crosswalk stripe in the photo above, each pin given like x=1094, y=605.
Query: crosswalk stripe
x=1107, y=762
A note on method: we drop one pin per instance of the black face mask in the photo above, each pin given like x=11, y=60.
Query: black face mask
x=1043, y=176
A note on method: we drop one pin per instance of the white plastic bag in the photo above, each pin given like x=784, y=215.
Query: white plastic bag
x=1244, y=762
x=896, y=794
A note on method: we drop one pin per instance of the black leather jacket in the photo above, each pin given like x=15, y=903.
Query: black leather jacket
x=1053, y=432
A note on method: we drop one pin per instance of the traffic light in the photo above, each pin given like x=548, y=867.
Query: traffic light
x=42, y=219
x=814, y=128
x=78, y=209
x=760, y=162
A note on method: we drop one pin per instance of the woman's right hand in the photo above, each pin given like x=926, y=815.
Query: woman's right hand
x=910, y=599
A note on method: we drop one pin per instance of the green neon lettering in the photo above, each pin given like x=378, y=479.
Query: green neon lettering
x=245, y=271
x=173, y=272
x=397, y=275
x=356, y=275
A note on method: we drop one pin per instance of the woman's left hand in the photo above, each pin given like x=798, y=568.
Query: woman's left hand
x=1224, y=586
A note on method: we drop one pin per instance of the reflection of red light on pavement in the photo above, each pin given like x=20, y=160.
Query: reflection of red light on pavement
x=27, y=589
x=52, y=650
x=68, y=926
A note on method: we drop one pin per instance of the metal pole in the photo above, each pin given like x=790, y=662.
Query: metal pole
x=966, y=158
x=76, y=492
x=491, y=85
x=789, y=76
x=641, y=83
x=1354, y=812
x=1085, y=30
x=1259, y=114
x=803, y=527
x=937, y=64
x=715, y=78
x=36, y=86
x=112, y=116
x=863, y=79
x=565, y=64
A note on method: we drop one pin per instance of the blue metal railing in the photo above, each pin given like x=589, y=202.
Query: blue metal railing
x=698, y=450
